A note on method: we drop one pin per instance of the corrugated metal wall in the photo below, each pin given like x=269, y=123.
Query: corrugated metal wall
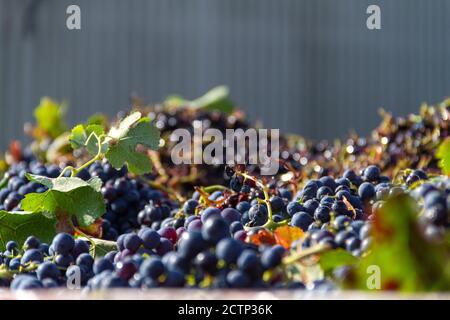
x=305, y=66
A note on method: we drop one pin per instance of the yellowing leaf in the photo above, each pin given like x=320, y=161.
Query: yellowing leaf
x=49, y=117
x=285, y=235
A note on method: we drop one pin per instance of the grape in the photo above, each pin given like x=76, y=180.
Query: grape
x=169, y=233
x=302, y=220
x=366, y=191
x=47, y=270
x=174, y=279
x=236, y=226
x=285, y=194
x=14, y=264
x=215, y=229
x=309, y=191
x=49, y=283
x=258, y=214
x=324, y=191
x=31, y=255
x=366, y=244
x=352, y=244
x=209, y=213
x=322, y=214
x=191, y=243
x=365, y=231
x=329, y=182
x=86, y=260
x=277, y=204
x=25, y=282
x=231, y=215
x=132, y=242
x=102, y=265
x=243, y=206
x=63, y=243
x=238, y=279
x=372, y=173
x=350, y=175
x=240, y=235
x=310, y=206
x=150, y=238
x=216, y=195
x=189, y=206
x=433, y=199
x=342, y=236
x=11, y=246
x=248, y=261
x=125, y=270
x=207, y=262
x=271, y=257
x=81, y=246
x=174, y=261
x=195, y=225
x=153, y=213
x=152, y=267
x=120, y=242
x=228, y=250
x=64, y=260
x=293, y=207
x=110, y=255
x=436, y=215
x=164, y=246
x=236, y=184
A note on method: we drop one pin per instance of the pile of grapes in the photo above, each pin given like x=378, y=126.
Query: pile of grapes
x=314, y=226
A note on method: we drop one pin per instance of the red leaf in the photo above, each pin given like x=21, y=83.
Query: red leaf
x=262, y=236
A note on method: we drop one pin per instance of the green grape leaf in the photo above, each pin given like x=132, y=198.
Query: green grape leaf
x=50, y=117
x=18, y=226
x=406, y=260
x=82, y=136
x=336, y=258
x=443, y=154
x=217, y=99
x=67, y=196
x=100, y=247
x=124, y=139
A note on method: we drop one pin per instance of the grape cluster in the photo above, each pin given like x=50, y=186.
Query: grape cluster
x=40, y=265
x=207, y=242
x=396, y=143
x=126, y=198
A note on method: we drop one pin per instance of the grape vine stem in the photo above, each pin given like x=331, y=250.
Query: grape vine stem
x=270, y=224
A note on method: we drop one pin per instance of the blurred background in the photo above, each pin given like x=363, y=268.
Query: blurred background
x=305, y=66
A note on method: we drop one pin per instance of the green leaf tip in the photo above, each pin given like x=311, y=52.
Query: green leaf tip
x=126, y=137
